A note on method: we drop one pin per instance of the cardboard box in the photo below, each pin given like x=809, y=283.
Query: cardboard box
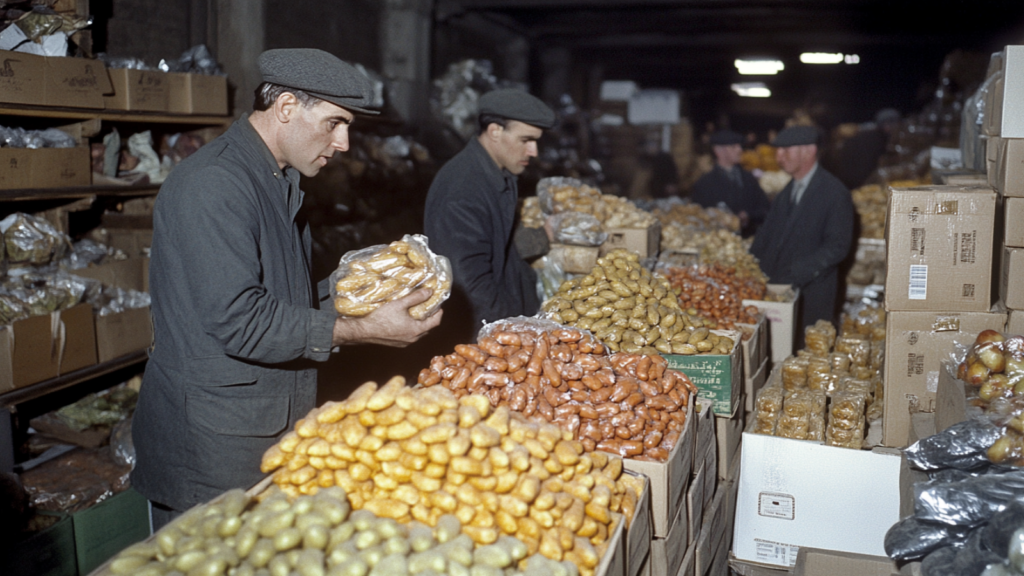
x=75, y=82
x=1007, y=174
x=728, y=433
x=712, y=531
x=669, y=479
x=197, y=94
x=124, y=332
x=689, y=560
x=1011, y=281
x=993, y=120
x=781, y=320
x=22, y=78
x=643, y=241
x=614, y=561
x=1015, y=322
x=44, y=168
x=639, y=532
x=752, y=385
x=1013, y=222
x=109, y=527
x=743, y=568
x=720, y=563
x=813, y=562
x=695, y=503
x=939, y=248
x=44, y=347
x=718, y=377
x=922, y=425
x=575, y=259
x=1011, y=121
x=49, y=552
x=710, y=476
x=916, y=343
x=705, y=431
x=139, y=90
x=950, y=398
x=755, y=348
x=667, y=553
x=798, y=493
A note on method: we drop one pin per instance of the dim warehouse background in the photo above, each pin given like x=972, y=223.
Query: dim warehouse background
x=909, y=52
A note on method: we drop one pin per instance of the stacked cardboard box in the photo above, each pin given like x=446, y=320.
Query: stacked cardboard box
x=939, y=290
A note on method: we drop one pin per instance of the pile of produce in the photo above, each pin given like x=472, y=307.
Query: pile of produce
x=558, y=195
x=628, y=404
x=369, y=278
x=714, y=247
x=870, y=202
x=318, y=536
x=530, y=213
x=716, y=292
x=419, y=454
x=994, y=372
x=631, y=310
x=840, y=376
x=695, y=216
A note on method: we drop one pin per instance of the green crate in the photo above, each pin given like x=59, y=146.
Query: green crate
x=109, y=527
x=718, y=378
x=49, y=552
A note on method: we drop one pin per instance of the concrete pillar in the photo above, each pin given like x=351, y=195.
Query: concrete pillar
x=241, y=37
x=516, y=60
x=556, y=66
x=405, y=50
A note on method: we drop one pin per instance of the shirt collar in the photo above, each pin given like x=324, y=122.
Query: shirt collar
x=496, y=178
x=807, y=177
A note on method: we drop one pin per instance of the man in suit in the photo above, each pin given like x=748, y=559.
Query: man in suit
x=809, y=229
x=731, y=185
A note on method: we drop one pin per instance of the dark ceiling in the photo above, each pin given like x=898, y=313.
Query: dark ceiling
x=691, y=44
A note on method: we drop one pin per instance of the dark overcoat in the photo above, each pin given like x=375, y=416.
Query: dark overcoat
x=716, y=186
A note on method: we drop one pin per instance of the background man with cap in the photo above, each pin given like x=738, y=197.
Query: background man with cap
x=855, y=159
x=236, y=316
x=471, y=212
x=730, y=184
x=809, y=229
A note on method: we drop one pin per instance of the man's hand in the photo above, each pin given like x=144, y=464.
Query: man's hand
x=744, y=218
x=389, y=325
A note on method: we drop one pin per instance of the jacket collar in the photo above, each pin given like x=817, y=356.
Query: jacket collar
x=496, y=178
x=288, y=178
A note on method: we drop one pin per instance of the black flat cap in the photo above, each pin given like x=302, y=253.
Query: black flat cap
x=517, y=105
x=319, y=74
x=796, y=136
x=726, y=138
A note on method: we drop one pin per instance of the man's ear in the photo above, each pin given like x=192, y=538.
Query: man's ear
x=494, y=131
x=285, y=107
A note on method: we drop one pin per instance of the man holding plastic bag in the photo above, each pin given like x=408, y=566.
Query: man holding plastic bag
x=238, y=321
x=471, y=211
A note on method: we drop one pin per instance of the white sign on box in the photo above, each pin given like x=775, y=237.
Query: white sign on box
x=797, y=493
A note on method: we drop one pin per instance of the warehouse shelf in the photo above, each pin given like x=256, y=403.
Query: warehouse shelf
x=77, y=192
x=39, y=389
x=110, y=115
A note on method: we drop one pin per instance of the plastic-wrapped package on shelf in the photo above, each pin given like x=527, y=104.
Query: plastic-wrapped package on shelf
x=29, y=239
x=75, y=480
x=579, y=229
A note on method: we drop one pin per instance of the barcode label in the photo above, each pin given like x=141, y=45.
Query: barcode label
x=778, y=553
x=915, y=364
x=918, y=281
x=968, y=242
x=917, y=241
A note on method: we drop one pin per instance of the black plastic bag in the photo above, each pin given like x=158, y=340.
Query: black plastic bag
x=997, y=534
x=969, y=502
x=912, y=539
x=963, y=446
x=940, y=562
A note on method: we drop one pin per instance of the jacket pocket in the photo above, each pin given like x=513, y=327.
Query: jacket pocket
x=237, y=411
x=221, y=371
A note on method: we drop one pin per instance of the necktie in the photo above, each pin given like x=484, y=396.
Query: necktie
x=798, y=190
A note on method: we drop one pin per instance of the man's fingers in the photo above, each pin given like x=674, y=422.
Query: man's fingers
x=417, y=297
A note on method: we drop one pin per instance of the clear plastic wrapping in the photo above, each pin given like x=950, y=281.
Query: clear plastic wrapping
x=578, y=229
x=32, y=240
x=554, y=192
x=76, y=480
x=122, y=449
x=794, y=373
x=86, y=252
x=820, y=337
x=369, y=278
x=857, y=348
x=195, y=60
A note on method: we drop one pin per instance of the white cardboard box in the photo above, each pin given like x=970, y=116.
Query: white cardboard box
x=1013, y=93
x=799, y=493
x=654, y=107
x=781, y=321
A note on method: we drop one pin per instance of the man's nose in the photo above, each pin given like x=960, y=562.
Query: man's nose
x=340, y=141
x=531, y=149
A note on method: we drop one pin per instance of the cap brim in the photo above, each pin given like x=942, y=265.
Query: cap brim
x=346, y=103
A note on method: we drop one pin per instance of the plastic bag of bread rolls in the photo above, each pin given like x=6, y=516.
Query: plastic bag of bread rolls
x=369, y=278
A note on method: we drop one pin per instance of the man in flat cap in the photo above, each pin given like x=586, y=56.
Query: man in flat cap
x=809, y=229
x=727, y=183
x=471, y=212
x=238, y=320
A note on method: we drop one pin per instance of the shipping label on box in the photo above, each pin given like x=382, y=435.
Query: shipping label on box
x=1011, y=282
x=939, y=248
x=44, y=168
x=718, y=378
x=668, y=479
x=916, y=344
x=781, y=318
x=22, y=78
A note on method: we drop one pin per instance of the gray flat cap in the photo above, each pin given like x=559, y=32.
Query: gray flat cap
x=726, y=138
x=796, y=136
x=319, y=74
x=517, y=105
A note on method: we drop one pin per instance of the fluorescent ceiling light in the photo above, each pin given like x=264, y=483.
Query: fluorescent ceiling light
x=759, y=67
x=752, y=90
x=820, y=58
x=852, y=59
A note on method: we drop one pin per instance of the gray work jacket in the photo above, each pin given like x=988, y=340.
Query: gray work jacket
x=236, y=322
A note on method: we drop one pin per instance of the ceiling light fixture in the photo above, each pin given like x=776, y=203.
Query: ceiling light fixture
x=852, y=59
x=821, y=58
x=759, y=67
x=752, y=90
